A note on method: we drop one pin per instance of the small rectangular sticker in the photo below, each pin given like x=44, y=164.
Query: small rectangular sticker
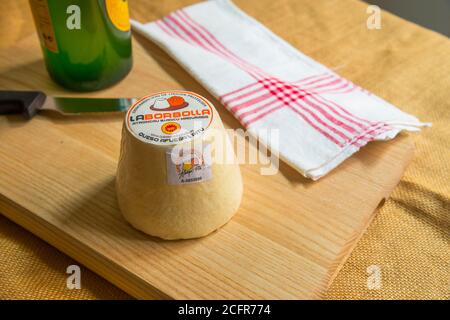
x=189, y=164
x=44, y=24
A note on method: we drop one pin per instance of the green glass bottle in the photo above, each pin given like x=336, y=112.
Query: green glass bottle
x=86, y=43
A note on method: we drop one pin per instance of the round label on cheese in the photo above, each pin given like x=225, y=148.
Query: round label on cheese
x=169, y=118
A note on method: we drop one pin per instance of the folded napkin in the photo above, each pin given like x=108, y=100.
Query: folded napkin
x=265, y=83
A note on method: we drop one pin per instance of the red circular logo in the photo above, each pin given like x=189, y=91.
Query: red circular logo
x=170, y=127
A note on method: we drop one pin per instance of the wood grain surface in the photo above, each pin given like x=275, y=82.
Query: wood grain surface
x=288, y=240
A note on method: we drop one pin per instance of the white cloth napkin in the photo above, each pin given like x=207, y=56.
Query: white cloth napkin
x=322, y=118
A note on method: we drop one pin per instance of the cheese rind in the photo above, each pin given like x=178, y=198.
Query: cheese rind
x=175, y=211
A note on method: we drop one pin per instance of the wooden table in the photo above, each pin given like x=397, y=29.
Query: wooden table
x=289, y=238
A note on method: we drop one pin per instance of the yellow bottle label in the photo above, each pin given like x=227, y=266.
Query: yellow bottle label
x=118, y=14
x=44, y=24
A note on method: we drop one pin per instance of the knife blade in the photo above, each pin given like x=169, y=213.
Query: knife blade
x=28, y=103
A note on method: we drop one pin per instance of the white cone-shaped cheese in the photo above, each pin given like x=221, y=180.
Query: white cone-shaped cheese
x=170, y=188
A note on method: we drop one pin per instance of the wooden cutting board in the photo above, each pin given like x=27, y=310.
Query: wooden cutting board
x=288, y=240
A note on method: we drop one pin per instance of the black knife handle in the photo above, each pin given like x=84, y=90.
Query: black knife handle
x=25, y=102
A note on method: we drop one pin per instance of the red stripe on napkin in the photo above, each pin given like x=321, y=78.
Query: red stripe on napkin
x=268, y=94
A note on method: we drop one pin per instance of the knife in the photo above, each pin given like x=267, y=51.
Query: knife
x=28, y=103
